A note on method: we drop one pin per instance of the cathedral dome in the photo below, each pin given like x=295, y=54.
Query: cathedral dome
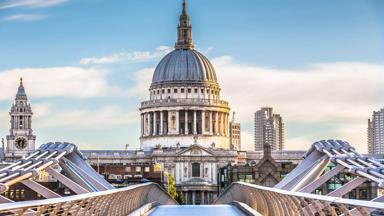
x=184, y=65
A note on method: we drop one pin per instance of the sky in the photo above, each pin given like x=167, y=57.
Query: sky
x=87, y=64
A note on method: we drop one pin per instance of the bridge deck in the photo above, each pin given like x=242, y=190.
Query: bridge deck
x=200, y=210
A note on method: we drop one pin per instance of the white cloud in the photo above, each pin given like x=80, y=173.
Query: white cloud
x=58, y=81
x=343, y=93
x=25, y=17
x=87, y=118
x=127, y=56
x=30, y=3
x=143, y=79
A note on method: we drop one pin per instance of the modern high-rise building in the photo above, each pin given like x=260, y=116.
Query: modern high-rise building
x=376, y=133
x=269, y=128
x=234, y=134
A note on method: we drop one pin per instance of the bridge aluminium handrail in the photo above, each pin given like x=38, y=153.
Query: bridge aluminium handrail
x=274, y=201
x=121, y=201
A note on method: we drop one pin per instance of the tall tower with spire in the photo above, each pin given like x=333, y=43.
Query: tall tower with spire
x=20, y=141
x=184, y=31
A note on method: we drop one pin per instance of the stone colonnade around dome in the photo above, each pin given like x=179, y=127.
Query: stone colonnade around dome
x=171, y=121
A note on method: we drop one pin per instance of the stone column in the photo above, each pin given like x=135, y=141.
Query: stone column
x=202, y=197
x=186, y=197
x=141, y=125
x=216, y=123
x=169, y=122
x=161, y=123
x=227, y=124
x=149, y=124
x=177, y=122
x=193, y=197
x=210, y=123
x=186, y=122
x=221, y=123
x=194, y=122
x=202, y=122
x=154, y=124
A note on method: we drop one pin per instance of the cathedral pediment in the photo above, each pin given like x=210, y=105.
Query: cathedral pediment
x=196, y=150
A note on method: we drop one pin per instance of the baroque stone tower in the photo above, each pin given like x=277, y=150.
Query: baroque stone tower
x=20, y=141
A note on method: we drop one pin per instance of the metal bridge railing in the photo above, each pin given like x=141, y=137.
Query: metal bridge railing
x=273, y=201
x=110, y=202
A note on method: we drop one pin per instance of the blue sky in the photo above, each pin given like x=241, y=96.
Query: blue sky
x=87, y=63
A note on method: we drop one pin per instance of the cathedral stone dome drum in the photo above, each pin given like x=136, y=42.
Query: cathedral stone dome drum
x=184, y=107
x=184, y=65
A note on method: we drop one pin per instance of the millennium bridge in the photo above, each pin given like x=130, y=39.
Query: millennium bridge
x=95, y=196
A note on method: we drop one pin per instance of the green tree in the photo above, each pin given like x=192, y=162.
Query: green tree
x=172, y=186
x=172, y=190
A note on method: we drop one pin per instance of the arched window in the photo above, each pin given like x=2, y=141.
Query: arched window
x=195, y=169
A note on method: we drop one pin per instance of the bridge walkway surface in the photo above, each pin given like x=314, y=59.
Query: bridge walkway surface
x=189, y=210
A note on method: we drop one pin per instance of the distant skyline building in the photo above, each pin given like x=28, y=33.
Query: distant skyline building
x=376, y=133
x=269, y=128
x=235, y=133
x=20, y=141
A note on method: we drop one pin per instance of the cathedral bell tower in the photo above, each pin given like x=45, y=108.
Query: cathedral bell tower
x=20, y=141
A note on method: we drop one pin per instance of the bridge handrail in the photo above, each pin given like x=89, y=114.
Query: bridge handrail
x=146, y=195
x=247, y=190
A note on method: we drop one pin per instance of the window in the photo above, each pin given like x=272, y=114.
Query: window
x=195, y=170
x=175, y=90
x=182, y=90
x=146, y=169
x=158, y=91
x=195, y=90
x=202, y=91
x=128, y=169
x=169, y=91
x=163, y=91
x=207, y=91
x=189, y=90
x=138, y=169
